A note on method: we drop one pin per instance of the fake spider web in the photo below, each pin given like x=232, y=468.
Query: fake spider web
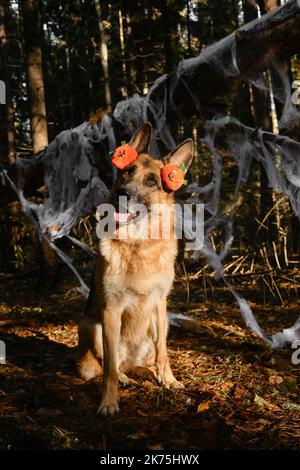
x=75, y=177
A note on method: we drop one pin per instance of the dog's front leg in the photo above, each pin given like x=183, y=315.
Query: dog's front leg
x=165, y=375
x=111, y=339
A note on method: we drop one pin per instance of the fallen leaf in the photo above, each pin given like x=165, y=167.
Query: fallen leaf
x=155, y=447
x=203, y=407
x=124, y=393
x=260, y=401
x=240, y=393
x=275, y=380
x=142, y=413
x=226, y=386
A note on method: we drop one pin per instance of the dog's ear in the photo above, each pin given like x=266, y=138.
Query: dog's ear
x=184, y=153
x=141, y=138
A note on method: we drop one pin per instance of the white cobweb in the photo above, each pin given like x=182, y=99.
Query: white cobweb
x=75, y=178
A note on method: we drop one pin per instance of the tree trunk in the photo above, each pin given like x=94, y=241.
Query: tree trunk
x=262, y=118
x=49, y=266
x=70, y=85
x=103, y=52
x=188, y=28
x=39, y=131
x=9, y=113
x=167, y=37
x=32, y=36
x=123, y=54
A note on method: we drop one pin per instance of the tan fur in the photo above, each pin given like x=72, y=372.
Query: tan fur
x=125, y=325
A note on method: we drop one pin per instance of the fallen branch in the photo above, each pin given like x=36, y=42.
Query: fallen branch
x=196, y=82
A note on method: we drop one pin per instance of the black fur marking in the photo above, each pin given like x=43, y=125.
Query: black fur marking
x=146, y=164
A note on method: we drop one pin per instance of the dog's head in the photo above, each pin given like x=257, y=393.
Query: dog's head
x=141, y=183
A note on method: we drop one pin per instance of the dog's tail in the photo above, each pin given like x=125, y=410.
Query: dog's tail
x=90, y=349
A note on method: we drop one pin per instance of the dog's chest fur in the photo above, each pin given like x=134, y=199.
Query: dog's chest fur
x=137, y=269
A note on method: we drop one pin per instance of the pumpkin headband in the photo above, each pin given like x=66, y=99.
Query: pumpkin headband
x=172, y=174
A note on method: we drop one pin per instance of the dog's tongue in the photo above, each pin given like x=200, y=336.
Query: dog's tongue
x=122, y=217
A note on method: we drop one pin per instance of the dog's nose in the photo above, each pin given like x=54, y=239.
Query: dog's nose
x=123, y=192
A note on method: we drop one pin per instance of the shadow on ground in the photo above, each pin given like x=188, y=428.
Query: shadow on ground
x=239, y=394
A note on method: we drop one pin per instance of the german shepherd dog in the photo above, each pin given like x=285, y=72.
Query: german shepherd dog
x=124, y=328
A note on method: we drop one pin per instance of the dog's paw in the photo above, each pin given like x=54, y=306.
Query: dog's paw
x=123, y=379
x=177, y=385
x=145, y=373
x=170, y=383
x=108, y=407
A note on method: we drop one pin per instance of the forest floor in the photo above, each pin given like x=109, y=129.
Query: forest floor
x=239, y=393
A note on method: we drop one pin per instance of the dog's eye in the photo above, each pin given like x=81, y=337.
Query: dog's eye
x=151, y=180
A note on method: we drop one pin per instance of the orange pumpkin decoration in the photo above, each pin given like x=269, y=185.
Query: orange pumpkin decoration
x=172, y=176
x=123, y=156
